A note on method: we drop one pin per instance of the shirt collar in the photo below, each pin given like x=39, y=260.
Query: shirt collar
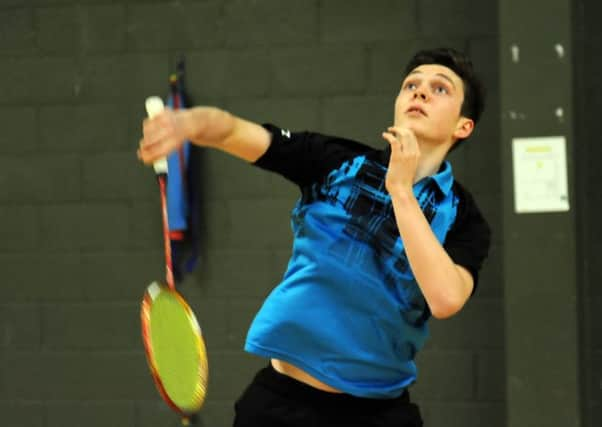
x=444, y=178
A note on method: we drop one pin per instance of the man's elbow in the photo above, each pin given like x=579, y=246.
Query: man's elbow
x=450, y=299
x=447, y=308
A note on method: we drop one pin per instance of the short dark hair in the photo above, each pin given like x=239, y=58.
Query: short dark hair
x=459, y=63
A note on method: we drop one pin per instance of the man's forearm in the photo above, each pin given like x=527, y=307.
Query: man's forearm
x=212, y=127
x=204, y=126
x=444, y=285
x=207, y=126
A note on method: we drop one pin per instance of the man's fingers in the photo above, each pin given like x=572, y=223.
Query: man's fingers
x=162, y=124
x=399, y=131
x=156, y=137
x=389, y=137
x=406, y=138
x=157, y=131
x=149, y=152
x=392, y=140
x=153, y=149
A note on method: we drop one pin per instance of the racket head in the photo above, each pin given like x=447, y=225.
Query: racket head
x=175, y=349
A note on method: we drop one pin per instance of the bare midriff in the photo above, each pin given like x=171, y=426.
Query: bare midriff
x=300, y=375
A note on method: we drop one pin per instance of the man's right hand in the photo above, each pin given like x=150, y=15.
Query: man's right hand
x=162, y=134
x=203, y=126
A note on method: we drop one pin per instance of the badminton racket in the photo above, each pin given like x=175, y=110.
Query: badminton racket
x=173, y=341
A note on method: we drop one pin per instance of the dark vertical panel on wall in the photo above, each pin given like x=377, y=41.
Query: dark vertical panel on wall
x=540, y=271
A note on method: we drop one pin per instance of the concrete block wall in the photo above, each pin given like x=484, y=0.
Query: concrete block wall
x=79, y=217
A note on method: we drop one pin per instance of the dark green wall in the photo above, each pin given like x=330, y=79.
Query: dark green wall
x=79, y=224
x=588, y=104
x=541, y=285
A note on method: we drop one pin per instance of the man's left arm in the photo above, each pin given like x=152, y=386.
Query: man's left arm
x=446, y=286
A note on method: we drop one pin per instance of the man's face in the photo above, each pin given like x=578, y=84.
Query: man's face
x=429, y=104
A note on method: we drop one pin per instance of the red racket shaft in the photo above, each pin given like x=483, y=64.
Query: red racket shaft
x=167, y=243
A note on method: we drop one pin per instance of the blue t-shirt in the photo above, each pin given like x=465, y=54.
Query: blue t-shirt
x=348, y=310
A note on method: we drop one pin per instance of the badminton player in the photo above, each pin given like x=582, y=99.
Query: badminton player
x=383, y=240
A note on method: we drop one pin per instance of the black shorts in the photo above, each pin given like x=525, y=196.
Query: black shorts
x=276, y=400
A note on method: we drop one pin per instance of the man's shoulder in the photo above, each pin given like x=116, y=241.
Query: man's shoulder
x=316, y=137
x=468, y=209
x=461, y=192
x=307, y=157
x=341, y=142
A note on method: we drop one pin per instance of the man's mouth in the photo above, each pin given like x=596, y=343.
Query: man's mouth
x=415, y=109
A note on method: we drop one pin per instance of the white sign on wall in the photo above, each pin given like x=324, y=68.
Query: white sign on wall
x=540, y=174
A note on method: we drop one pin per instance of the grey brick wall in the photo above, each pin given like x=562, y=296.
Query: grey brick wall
x=79, y=226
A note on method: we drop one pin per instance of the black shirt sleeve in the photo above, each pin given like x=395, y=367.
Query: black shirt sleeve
x=306, y=157
x=469, y=238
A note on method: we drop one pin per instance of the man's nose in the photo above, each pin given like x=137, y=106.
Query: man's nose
x=420, y=94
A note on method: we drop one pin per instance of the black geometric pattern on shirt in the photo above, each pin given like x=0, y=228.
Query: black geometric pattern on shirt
x=428, y=205
x=372, y=218
x=308, y=195
x=373, y=222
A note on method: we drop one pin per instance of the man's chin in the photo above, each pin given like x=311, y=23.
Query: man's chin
x=414, y=127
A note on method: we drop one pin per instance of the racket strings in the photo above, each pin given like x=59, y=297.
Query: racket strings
x=179, y=353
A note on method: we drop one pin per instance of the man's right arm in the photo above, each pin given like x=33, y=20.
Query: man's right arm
x=203, y=126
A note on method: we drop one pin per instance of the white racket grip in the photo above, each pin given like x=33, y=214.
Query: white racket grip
x=154, y=105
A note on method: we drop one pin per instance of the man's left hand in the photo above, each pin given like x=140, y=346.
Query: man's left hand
x=404, y=159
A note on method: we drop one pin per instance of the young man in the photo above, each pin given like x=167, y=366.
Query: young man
x=383, y=239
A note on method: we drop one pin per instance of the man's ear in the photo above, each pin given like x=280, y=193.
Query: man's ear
x=464, y=128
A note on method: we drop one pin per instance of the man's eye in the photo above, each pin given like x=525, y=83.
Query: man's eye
x=441, y=90
x=410, y=86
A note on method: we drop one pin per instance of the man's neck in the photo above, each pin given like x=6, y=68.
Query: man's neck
x=431, y=158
